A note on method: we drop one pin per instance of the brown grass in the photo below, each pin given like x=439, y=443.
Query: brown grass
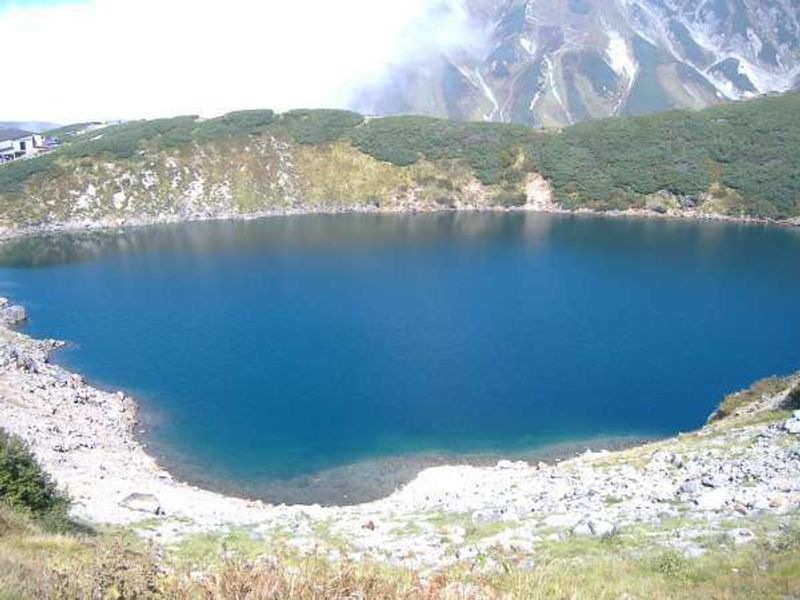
x=40, y=566
x=733, y=403
x=313, y=580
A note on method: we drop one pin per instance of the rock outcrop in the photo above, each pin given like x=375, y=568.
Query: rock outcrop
x=11, y=314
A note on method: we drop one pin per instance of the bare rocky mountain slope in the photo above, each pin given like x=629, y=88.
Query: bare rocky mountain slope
x=556, y=62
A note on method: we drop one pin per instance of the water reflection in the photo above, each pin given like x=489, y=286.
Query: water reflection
x=310, y=232
x=340, y=232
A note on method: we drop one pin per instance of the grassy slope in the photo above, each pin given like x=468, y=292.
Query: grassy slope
x=115, y=564
x=738, y=159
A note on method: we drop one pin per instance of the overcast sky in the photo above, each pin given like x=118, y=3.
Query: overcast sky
x=98, y=59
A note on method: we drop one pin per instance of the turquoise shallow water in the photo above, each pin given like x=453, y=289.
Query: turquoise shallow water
x=294, y=358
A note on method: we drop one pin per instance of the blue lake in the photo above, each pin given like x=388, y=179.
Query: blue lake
x=325, y=358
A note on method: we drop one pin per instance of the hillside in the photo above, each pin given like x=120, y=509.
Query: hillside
x=737, y=159
x=556, y=62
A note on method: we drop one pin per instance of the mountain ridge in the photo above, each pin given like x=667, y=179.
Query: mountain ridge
x=553, y=63
x=32, y=126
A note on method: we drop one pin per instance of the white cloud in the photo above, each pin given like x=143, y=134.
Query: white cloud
x=147, y=58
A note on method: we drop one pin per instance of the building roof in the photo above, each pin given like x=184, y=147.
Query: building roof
x=13, y=134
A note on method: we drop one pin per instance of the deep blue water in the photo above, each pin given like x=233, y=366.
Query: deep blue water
x=266, y=352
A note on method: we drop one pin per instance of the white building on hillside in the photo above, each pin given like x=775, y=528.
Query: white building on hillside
x=16, y=143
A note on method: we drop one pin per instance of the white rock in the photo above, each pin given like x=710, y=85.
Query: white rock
x=792, y=425
x=12, y=314
x=582, y=528
x=761, y=503
x=601, y=528
x=716, y=499
x=143, y=503
x=595, y=527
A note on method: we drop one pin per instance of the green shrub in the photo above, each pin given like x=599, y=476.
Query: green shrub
x=671, y=563
x=749, y=147
x=124, y=141
x=14, y=175
x=491, y=149
x=321, y=126
x=243, y=122
x=25, y=486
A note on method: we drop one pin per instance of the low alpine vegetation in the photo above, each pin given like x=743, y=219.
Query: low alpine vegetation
x=738, y=159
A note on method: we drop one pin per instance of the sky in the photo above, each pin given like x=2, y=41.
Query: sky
x=125, y=59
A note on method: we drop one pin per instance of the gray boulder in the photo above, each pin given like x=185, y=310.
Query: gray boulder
x=12, y=313
x=582, y=528
x=595, y=527
x=487, y=515
x=793, y=425
x=690, y=487
x=143, y=503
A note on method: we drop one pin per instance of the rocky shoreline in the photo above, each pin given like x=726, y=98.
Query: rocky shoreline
x=375, y=478
x=735, y=469
x=539, y=201
x=675, y=214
